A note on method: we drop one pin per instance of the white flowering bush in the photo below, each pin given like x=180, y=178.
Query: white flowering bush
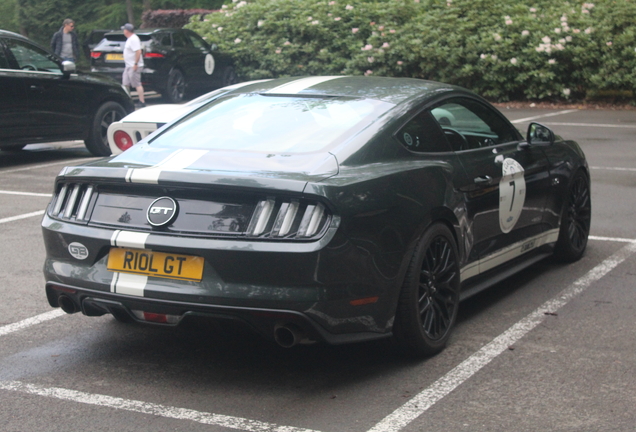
x=538, y=49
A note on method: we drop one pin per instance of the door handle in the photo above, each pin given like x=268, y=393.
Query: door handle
x=483, y=180
x=36, y=88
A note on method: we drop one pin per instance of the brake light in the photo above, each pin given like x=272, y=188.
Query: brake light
x=95, y=54
x=153, y=55
x=122, y=140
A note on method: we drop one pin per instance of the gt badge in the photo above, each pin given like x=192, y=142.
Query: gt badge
x=162, y=211
x=78, y=251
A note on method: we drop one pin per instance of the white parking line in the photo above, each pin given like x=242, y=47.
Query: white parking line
x=149, y=408
x=527, y=119
x=23, y=216
x=5, y=330
x=605, y=125
x=24, y=193
x=612, y=168
x=408, y=412
x=31, y=167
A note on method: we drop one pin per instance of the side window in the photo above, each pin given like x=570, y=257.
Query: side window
x=30, y=57
x=179, y=40
x=165, y=40
x=4, y=61
x=197, y=41
x=468, y=124
x=422, y=134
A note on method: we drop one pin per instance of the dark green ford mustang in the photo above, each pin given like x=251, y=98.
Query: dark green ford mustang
x=333, y=209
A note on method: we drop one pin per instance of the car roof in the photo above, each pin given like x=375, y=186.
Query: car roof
x=392, y=90
x=12, y=34
x=145, y=31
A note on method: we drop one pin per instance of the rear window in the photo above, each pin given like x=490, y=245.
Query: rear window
x=277, y=124
x=116, y=42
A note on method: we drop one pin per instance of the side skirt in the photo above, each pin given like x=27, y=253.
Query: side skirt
x=500, y=273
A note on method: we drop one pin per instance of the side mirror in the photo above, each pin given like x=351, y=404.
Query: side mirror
x=213, y=47
x=68, y=67
x=539, y=134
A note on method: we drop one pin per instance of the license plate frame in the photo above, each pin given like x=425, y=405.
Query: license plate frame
x=114, y=57
x=158, y=264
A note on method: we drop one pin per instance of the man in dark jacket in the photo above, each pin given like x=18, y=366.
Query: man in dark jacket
x=64, y=42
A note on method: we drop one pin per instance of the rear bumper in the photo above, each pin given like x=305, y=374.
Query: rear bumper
x=261, y=320
x=329, y=288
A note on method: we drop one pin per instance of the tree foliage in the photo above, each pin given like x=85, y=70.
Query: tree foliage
x=533, y=49
x=39, y=19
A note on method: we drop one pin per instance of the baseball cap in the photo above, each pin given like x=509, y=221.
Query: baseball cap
x=128, y=26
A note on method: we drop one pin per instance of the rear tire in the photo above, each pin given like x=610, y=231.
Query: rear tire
x=175, y=87
x=429, y=300
x=229, y=77
x=575, y=221
x=107, y=113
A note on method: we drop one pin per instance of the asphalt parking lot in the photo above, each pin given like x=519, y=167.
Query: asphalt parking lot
x=552, y=348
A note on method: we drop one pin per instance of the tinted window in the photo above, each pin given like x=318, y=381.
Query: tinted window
x=276, y=124
x=179, y=40
x=163, y=39
x=30, y=57
x=197, y=41
x=469, y=124
x=4, y=62
x=422, y=134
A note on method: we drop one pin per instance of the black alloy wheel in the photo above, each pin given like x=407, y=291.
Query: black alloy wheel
x=107, y=113
x=176, y=86
x=575, y=220
x=429, y=299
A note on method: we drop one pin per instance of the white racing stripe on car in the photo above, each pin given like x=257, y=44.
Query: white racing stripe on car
x=417, y=406
x=129, y=284
x=129, y=239
x=297, y=86
x=178, y=160
x=224, y=421
x=511, y=252
x=124, y=283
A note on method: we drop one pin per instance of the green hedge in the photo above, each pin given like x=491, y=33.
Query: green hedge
x=542, y=49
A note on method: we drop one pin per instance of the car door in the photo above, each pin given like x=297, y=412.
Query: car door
x=209, y=60
x=192, y=59
x=505, y=186
x=14, y=119
x=56, y=103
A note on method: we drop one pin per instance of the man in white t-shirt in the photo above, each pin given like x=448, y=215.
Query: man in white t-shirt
x=134, y=62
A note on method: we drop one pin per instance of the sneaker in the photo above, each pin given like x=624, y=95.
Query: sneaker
x=140, y=105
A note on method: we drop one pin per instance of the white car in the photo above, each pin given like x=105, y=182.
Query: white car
x=138, y=125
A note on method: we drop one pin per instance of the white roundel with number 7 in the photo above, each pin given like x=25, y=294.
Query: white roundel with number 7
x=512, y=194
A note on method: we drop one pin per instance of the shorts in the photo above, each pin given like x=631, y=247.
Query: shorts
x=131, y=77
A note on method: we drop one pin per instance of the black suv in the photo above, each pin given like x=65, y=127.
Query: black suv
x=43, y=98
x=176, y=62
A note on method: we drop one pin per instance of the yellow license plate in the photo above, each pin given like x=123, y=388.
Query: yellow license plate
x=159, y=264
x=115, y=57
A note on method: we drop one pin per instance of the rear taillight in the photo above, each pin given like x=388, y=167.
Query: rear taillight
x=153, y=55
x=287, y=219
x=122, y=140
x=95, y=54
